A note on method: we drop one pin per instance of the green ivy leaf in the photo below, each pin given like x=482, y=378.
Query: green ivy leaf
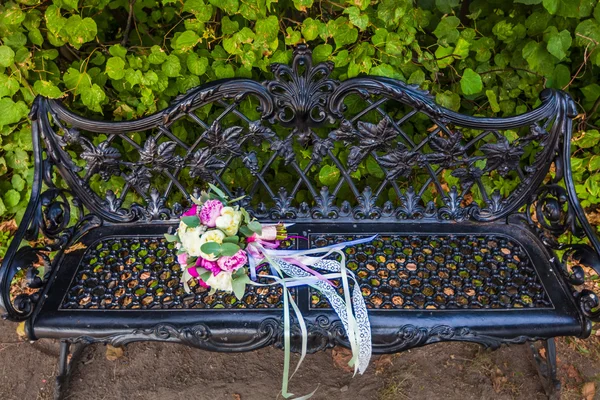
x=80, y=30
x=171, y=67
x=11, y=198
x=361, y=21
x=7, y=56
x=115, y=68
x=186, y=41
x=329, y=175
x=342, y=31
x=471, y=83
x=228, y=6
x=157, y=55
x=448, y=99
x=47, y=89
x=587, y=139
x=538, y=58
x=92, y=97
x=302, y=5
x=197, y=65
x=491, y=95
x=559, y=44
x=446, y=31
x=322, y=52
x=11, y=112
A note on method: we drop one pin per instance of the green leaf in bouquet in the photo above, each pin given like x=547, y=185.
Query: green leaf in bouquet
x=196, y=201
x=211, y=248
x=205, y=275
x=239, y=283
x=171, y=238
x=232, y=239
x=191, y=261
x=229, y=249
x=255, y=226
x=217, y=191
x=245, y=214
x=192, y=221
x=244, y=230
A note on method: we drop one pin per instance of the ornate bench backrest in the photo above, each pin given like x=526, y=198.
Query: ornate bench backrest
x=303, y=146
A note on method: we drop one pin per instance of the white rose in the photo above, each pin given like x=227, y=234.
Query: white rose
x=190, y=238
x=214, y=235
x=229, y=221
x=222, y=281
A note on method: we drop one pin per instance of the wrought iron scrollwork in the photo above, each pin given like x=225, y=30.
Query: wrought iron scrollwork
x=53, y=212
x=555, y=210
x=303, y=111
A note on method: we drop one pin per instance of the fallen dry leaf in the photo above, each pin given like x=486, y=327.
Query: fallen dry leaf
x=236, y=396
x=8, y=226
x=382, y=363
x=114, y=353
x=572, y=373
x=341, y=356
x=21, y=331
x=75, y=247
x=498, y=380
x=588, y=390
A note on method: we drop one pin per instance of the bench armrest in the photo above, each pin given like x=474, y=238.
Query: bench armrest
x=556, y=209
x=49, y=214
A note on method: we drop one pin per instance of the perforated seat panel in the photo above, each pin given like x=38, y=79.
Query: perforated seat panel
x=411, y=275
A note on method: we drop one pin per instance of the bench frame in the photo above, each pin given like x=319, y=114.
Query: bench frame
x=64, y=216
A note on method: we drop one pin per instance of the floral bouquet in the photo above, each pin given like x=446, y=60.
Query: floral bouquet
x=220, y=246
x=212, y=241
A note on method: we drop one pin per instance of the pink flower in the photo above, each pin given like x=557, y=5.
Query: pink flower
x=209, y=213
x=234, y=262
x=193, y=210
x=182, y=259
x=208, y=265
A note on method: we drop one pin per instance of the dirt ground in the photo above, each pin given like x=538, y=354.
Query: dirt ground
x=168, y=371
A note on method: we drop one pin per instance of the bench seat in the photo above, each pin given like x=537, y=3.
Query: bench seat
x=411, y=276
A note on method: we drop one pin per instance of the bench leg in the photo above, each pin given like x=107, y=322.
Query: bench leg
x=546, y=367
x=67, y=359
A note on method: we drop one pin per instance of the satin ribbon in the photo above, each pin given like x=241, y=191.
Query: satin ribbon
x=290, y=268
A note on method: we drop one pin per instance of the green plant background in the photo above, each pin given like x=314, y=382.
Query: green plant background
x=481, y=57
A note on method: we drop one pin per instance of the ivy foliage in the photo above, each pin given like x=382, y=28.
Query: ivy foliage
x=124, y=59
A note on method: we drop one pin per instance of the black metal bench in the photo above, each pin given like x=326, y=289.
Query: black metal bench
x=455, y=259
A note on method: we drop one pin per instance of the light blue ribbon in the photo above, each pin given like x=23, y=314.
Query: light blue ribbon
x=351, y=309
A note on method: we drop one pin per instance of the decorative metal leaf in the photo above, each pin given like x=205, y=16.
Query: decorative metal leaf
x=448, y=151
x=320, y=149
x=467, y=176
x=502, y=156
x=222, y=142
x=103, y=158
x=258, y=132
x=140, y=179
x=371, y=137
x=203, y=163
x=345, y=132
x=160, y=156
x=284, y=149
x=366, y=205
x=410, y=205
x=399, y=162
x=283, y=206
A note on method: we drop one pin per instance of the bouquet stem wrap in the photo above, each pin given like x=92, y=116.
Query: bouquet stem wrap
x=311, y=267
